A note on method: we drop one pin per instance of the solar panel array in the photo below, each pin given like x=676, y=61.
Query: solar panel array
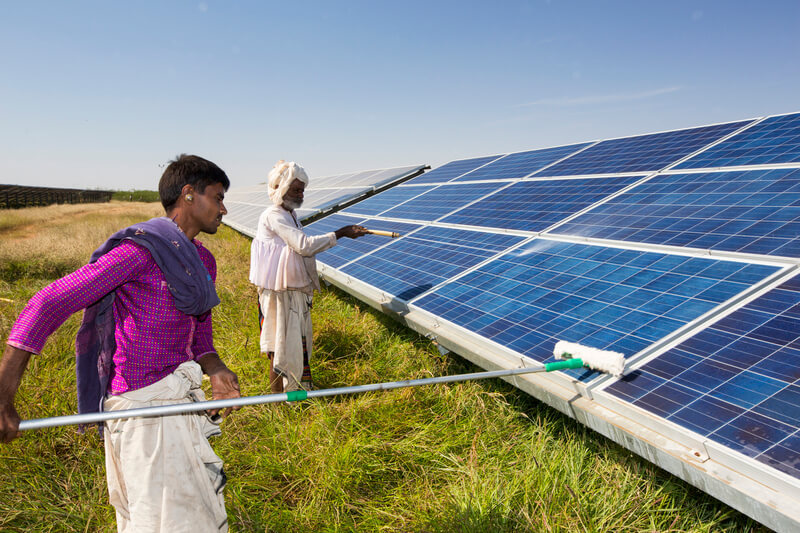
x=679, y=249
x=323, y=194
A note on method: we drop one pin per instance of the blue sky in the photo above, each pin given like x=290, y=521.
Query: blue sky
x=102, y=94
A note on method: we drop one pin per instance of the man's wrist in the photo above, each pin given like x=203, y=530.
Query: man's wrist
x=211, y=363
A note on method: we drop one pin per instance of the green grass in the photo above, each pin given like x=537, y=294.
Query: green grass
x=135, y=195
x=472, y=456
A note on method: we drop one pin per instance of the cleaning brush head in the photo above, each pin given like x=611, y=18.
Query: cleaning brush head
x=601, y=360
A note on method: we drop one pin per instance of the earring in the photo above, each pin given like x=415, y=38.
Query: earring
x=188, y=197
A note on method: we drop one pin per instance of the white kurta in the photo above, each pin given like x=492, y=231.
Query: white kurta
x=283, y=267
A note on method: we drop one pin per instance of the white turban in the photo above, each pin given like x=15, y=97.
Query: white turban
x=281, y=176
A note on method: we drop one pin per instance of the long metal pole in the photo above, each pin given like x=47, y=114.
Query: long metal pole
x=293, y=396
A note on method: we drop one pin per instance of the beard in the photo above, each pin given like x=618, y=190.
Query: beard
x=292, y=204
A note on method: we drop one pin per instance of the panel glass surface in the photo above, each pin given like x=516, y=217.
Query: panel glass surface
x=414, y=263
x=347, y=249
x=383, y=201
x=536, y=205
x=245, y=204
x=736, y=382
x=606, y=298
x=750, y=211
x=245, y=216
x=643, y=153
x=521, y=164
x=323, y=199
x=441, y=200
x=453, y=169
x=774, y=140
x=250, y=195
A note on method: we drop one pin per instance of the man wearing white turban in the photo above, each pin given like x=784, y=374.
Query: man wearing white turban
x=283, y=268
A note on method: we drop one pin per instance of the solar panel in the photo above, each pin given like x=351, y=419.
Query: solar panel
x=521, y=164
x=440, y=201
x=346, y=249
x=322, y=199
x=642, y=153
x=736, y=382
x=608, y=298
x=691, y=273
x=453, y=169
x=413, y=264
x=245, y=204
x=536, y=205
x=388, y=199
x=748, y=211
x=774, y=140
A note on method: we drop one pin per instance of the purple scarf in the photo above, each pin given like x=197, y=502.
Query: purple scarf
x=189, y=283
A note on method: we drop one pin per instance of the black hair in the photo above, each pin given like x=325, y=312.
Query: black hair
x=192, y=170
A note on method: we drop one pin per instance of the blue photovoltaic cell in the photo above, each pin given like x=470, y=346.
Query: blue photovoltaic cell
x=642, y=153
x=750, y=211
x=387, y=199
x=536, y=205
x=736, y=382
x=520, y=164
x=347, y=249
x=441, y=200
x=607, y=298
x=413, y=264
x=453, y=169
x=774, y=140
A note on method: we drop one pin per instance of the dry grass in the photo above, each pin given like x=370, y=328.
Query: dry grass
x=52, y=241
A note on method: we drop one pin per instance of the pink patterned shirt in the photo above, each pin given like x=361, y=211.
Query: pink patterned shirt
x=153, y=337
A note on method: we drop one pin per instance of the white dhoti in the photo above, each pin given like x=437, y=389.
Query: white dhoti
x=163, y=476
x=287, y=321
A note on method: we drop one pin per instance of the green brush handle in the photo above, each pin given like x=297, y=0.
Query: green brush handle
x=296, y=395
x=560, y=365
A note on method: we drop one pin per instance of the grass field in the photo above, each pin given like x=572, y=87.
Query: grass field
x=474, y=456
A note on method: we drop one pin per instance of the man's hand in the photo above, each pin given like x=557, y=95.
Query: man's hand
x=353, y=231
x=11, y=369
x=224, y=383
x=9, y=422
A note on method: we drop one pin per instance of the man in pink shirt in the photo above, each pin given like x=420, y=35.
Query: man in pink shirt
x=146, y=340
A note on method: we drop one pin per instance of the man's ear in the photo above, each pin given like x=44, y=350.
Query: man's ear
x=188, y=193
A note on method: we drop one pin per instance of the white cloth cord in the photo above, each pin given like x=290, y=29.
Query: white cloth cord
x=287, y=319
x=282, y=255
x=163, y=476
